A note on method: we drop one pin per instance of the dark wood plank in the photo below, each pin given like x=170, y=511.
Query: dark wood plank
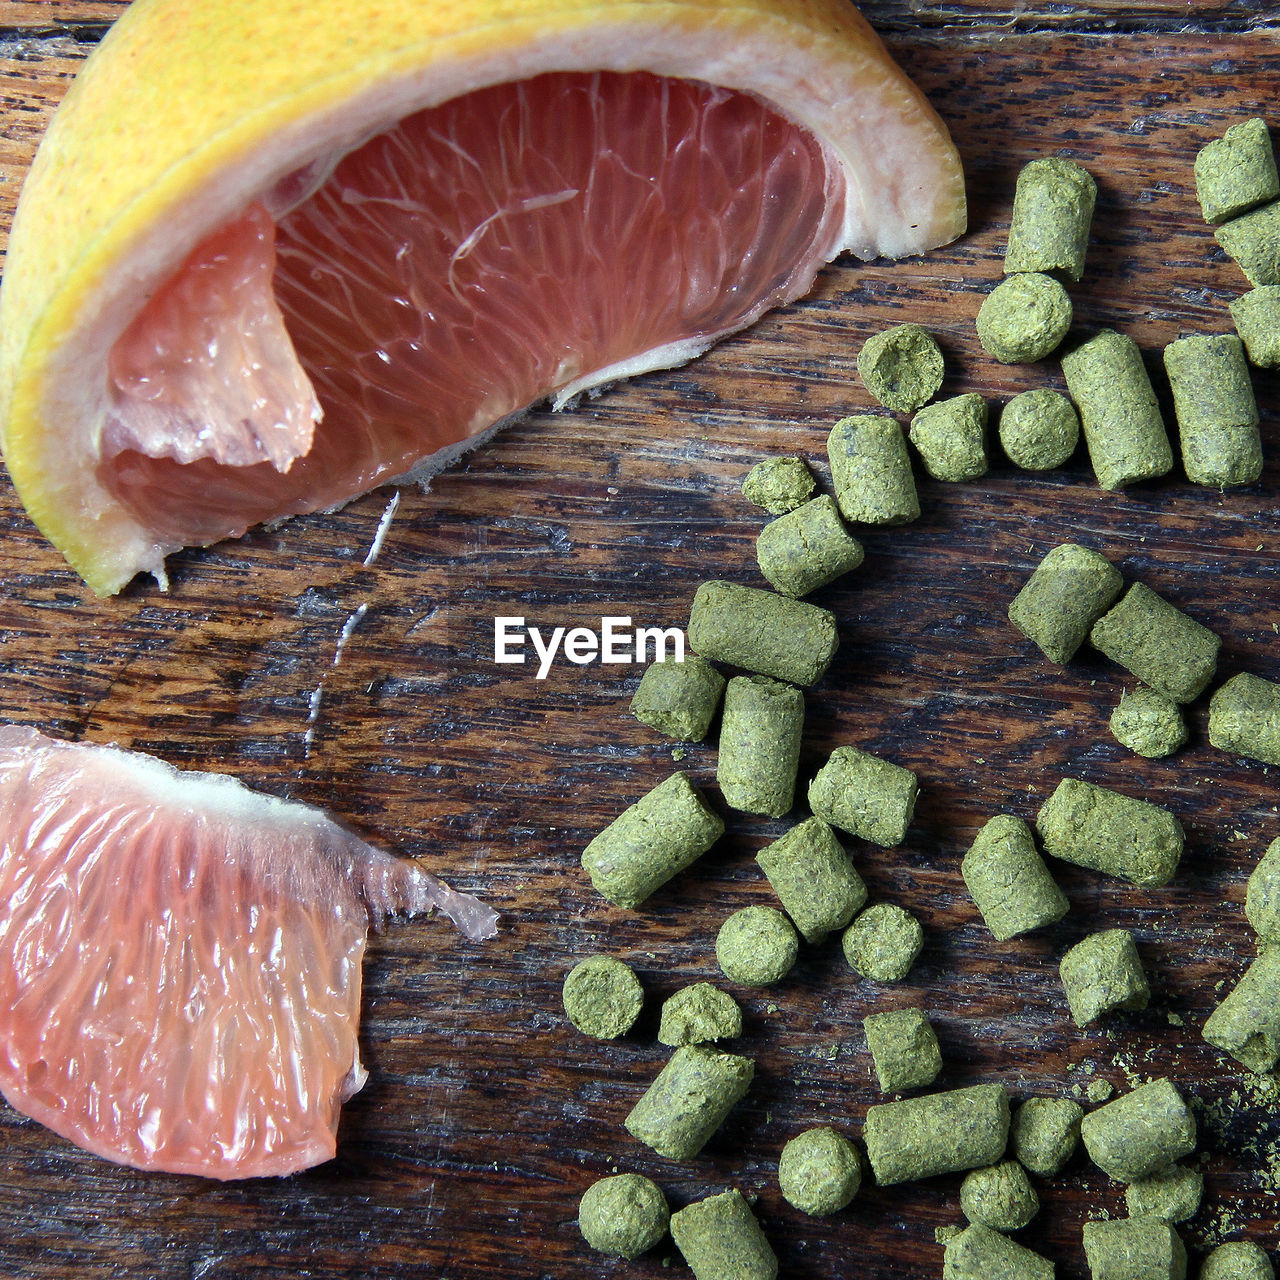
x=485, y=1116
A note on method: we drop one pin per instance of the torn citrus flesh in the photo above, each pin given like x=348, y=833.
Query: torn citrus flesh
x=267, y=259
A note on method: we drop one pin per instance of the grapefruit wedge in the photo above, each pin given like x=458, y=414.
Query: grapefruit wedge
x=180, y=959
x=269, y=256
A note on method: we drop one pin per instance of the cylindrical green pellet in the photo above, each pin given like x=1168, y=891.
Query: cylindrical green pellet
x=1244, y=718
x=1039, y=429
x=1105, y=831
x=1253, y=241
x=978, y=1253
x=819, y=1172
x=1247, y=1023
x=779, y=484
x=1052, y=211
x=1145, y=1130
x=1216, y=411
x=1148, y=723
x=1123, y=428
x=721, y=1240
x=1045, y=1134
x=679, y=698
x=883, y=942
x=1257, y=319
x=763, y=632
x=807, y=548
x=697, y=1014
x=814, y=879
x=938, y=1133
x=653, y=840
x=1070, y=590
x=1238, y=1260
x=1262, y=895
x=1101, y=973
x=1024, y=318
x=1168, y=1195
x=951, y=437
x=871, y=471
x=1158, y=643
x=760, y=745
x=624, y=1215
x=865, y=796
x=689, y=1100
x=904, y=1049
x=1009, y=881
x=1237, y=172
x=902, y=367
x=757, y=946
x=602, y=997
x=1000, y=1197
x=1134, y=1249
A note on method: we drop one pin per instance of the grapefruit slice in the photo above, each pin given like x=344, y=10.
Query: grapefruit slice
x=180, y=959
x=267, y=259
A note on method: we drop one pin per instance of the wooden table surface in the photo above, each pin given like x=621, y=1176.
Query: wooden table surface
x=486, y=1116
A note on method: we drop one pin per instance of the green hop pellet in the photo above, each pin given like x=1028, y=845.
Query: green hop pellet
x=978, y=1253
x=1052, y=211
x=883, y=943
x=1024, y=318
x=697, y=1014
x=871, y=471
x=779, y=484
x=1247, y=1023
x=1039, y=429
x=1244, y=718
x=814, y=880
x=1148, y=723
x=1216, y=411
x=1257, y=319
x=1253, y=241
x=1158, y=643
x=951, y=437
x=602, y=997
x=944, y=1235
x=760, y=745
x=763, y=632
x=937, y=1133
x=807, y=548
x=721, y=1240
x=653, y=840
x=819, y=1172
x=1105, y=831
x=1140, y=1133
x=864, y=795
x=1119, y=414
x=1170, y=1195
x=1099, y=1091
x=679, y=699
x=902, y=367
x=1009, y=881
x=1070, y=590
x=757, y=946
x=1237, y=172
x=1102, y=973
x=625, y=1215
x=1045, y=1134
x=1262, y=895
x=1238, y=1260
x=689, y=1100
x=1134, y=1249
x=1000, y=1197
x=904, y=1049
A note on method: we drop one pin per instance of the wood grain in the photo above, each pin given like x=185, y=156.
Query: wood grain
x=485, y=1116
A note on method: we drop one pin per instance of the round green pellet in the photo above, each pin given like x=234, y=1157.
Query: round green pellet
x=1148, y=723
x=1024, y=318
x=757, y=946
x=902, y=367
x=1039, y=429
x=602, y=997
x=819, y=1172
x=1000, y=1196
x=624, y=1215
x=1238, y=1260
x=883, y=943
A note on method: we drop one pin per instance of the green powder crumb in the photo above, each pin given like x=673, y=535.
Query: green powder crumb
x=1099, y=1091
